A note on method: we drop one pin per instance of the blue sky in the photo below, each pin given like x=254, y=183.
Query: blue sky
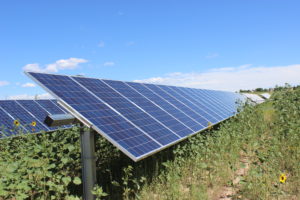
x=206, y=44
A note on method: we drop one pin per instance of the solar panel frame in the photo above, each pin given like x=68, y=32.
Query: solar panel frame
x=88, y=123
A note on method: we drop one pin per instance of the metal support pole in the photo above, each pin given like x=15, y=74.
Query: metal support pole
x=88, y=160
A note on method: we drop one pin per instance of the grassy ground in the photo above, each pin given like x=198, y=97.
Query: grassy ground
x=243, y=159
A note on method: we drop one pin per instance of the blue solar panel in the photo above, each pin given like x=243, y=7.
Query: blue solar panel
x=140, y=119
x=210, y=98
x=137, y=116
x=222, y=97
x=26, y=112
x=177, y=103
x=151, y=108
x=209, y=102
x=51, y=106
x=39, y=112
x=7, y=127
x=203, y=111
x=164, y=104
x=202, y=102
x=98, y=114
x=24, y=117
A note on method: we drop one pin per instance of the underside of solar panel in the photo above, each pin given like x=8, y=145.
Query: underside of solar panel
x=139, y=119
x=27, y=116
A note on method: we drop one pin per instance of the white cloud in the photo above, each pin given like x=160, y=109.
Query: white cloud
x=101, y=44
x=63, y=64
x=28, y=85
x=212, y=55
x=110, y=63
x=233, y=78
x=4, y=83
x=27, y=96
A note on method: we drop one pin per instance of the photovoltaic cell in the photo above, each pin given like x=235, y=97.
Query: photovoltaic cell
x=209, y=102
x=180, y=105
x=151, y=108
x=215, y=101
x=204, y=112
x=51, y=107
x=130, y=111
x=222, y=97
x=202, y=102
x=165, y=105
x=7, y=127
x=140, y=119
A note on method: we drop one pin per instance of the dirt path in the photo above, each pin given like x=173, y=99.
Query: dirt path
x=227, y=192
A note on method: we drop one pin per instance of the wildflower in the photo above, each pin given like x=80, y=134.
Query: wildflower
x=282, y=178
x=209, y=125
x=16, y=123
x=33, y=123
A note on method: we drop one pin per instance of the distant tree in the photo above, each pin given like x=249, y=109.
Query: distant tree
x=287, y=85
x=278, y=88
x=244, y=91
x=259, y=89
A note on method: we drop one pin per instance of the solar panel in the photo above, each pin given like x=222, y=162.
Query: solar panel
x=202, y=102
x=7, y=126
x=165, y=105
x=139, y=119
x=254, y=98
x=27, y=116
x=192, y=104
x=266, y=95
x=146, y=122
x=177, y=103
x=51, y=107
x=149, y=107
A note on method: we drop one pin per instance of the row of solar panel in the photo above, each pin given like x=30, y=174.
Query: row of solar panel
x=140, y=119
x=254, y=98
x=27, y=116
